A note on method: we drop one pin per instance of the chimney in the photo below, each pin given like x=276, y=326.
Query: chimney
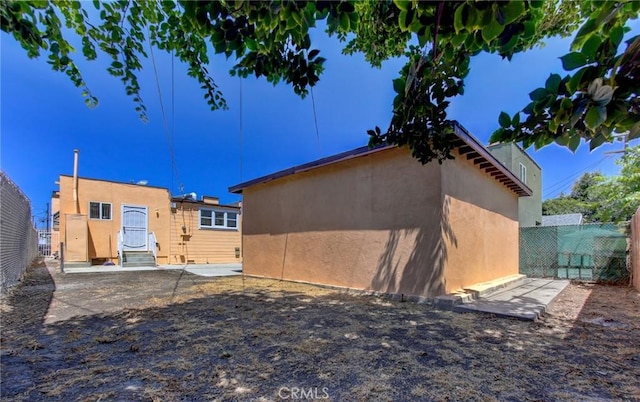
x=207, y=199
x=75, y=181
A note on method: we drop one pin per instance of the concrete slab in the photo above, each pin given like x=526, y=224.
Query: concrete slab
x=196, y=269
x=526, y=300
x=215, y=269
x=470, y=293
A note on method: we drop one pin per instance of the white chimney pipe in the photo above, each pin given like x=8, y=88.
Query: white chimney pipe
x=75, y=181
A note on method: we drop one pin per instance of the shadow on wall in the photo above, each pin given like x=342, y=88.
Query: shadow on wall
x=423, y=271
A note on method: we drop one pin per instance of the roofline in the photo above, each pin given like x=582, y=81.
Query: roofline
x=466, y=144
x=116, y=182
x=329, y=160
x=179, y=199
x=481, y=156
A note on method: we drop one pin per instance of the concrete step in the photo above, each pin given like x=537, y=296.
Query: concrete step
x=470, y=293
x=526, y=300
x=485, y=289
x=139, y=264
x=132, y=258
x=138, y=259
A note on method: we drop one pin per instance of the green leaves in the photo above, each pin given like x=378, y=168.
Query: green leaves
x=596, y=115
x=573, y=60
x=538, y=94
x=492, y=30
x=504, y=120
x=512, y=11
x=458, y=23
x=273, y=40
x=552, y=84
x=399, y=85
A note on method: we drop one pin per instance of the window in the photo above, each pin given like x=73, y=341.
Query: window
x=523, y=173
x=99, y=210
x=217, y=219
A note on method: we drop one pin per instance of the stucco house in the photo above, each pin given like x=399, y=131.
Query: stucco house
x=136, y=224
x=529, y=172
x=376, y=219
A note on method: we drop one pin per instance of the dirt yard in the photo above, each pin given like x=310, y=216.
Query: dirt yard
x=170, y=335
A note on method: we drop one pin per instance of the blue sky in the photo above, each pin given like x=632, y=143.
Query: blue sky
x=43, y=118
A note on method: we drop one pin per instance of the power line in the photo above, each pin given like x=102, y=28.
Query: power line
x=173, y=108
x=315, y=119
x=562, y=183
x=241, y=133
x=164, y=117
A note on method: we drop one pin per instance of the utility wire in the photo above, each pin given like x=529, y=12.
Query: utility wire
x=315, y=119
x=562, y=183
x=172, y=154
x=241, y=131
x=173, y=108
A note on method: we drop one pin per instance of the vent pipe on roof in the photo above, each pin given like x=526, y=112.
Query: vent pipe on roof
x=75, y=181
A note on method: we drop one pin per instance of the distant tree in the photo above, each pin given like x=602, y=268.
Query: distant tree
x=620, y=195
x=579, y=201
x=582, y=199
x=602, y=199
x=562, y=204
x=437, y=38
x=582, y=189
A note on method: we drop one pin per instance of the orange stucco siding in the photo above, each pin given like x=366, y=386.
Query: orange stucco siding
x=102, y=234
x=191, y=244
x=481, y=226
x=367, y=223
x=382, y=222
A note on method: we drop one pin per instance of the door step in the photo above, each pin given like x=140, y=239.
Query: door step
x=138, y=259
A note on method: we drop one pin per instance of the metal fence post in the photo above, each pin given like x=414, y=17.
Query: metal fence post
x=62, y=257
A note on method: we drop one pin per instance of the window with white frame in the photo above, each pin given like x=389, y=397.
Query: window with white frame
x=218, y=219
x=100, y=210
x=523, y=173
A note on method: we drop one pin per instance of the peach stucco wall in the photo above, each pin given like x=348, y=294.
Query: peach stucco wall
x=382, y=222
x=481, y=223
x=191, y=244
x=102, y=234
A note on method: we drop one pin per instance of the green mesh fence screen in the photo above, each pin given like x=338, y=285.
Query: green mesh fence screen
x=593, y=252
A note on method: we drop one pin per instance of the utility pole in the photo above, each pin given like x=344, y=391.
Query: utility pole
x=48, y=218
x=625, y=139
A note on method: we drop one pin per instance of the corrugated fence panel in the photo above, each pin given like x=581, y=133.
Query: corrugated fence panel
x=18, y=238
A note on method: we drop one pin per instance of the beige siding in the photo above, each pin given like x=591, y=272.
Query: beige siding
x=102, y=234
x=481, y=226
x=368, y=223
x=383, y=222
x=190, y=244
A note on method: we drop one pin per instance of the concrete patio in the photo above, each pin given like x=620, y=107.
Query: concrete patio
x=210, y=270
x=525, y=299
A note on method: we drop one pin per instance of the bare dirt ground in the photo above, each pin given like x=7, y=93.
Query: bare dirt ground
x=170, y=335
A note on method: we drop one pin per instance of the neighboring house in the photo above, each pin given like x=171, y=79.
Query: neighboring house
x=204, y=232
x=529, y=172
x=134, y=224
x=562, y=220
x=377, y=219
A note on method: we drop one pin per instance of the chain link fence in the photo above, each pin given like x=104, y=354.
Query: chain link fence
x=592, y=252
x=18, y=238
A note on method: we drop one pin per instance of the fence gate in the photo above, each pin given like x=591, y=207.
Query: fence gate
x=49, y=243
x=593, y=252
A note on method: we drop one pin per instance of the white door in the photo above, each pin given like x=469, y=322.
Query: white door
x=134, y=228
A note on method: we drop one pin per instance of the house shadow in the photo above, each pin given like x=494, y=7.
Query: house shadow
x=422, y=273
